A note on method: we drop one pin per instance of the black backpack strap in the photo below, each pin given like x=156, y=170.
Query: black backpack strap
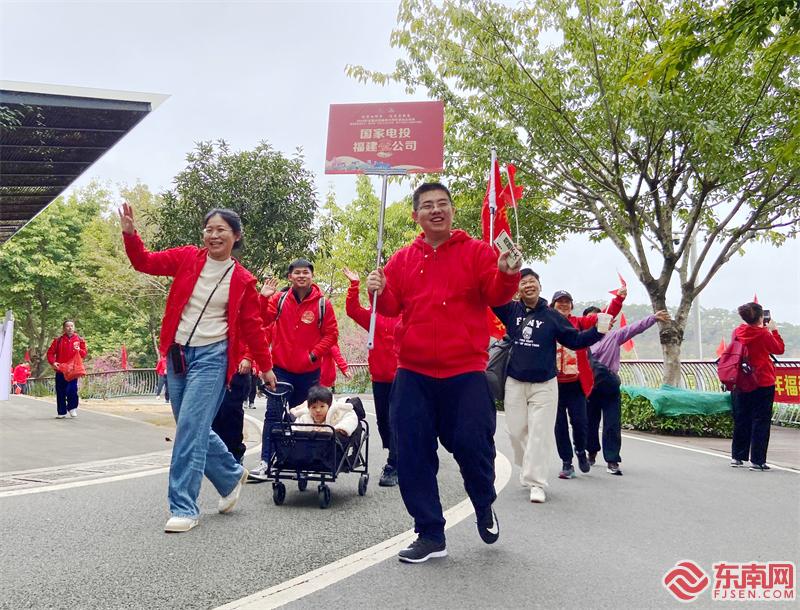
x=321, y=311
x=281, y=301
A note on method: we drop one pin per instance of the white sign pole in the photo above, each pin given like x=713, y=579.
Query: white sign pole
x=492, y=199
x=6, y=349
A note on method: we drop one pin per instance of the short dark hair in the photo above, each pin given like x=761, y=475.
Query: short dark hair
x=751, y=312
x=528, y=271
x=319, y=393
x=64, y=323
x=426, y=187
x=299, y=263
x=591, y=309
x=229, y=216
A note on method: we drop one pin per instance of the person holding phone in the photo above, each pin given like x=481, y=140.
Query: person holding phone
x=752, y=411
x=212, y=305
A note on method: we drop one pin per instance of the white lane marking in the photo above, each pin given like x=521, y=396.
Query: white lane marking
x=98, y=481
x=308, y=583
x=703, y=451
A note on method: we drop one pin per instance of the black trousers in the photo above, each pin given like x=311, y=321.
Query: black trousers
x=605, y=403
x=229, y=421
x=66, y=394
x=381, y=391
x=572, y=401
x=752, y=418
x=457, y=411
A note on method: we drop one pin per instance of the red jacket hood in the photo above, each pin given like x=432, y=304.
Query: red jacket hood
x=747, y=334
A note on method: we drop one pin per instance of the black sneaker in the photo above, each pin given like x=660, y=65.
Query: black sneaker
x=592, y=457
x=760, y=467
x=488, y=525
x=583, y=462
x=737, y=463
x=613, y=468
x=567, y=471
x=422, y=549
x=388, y=476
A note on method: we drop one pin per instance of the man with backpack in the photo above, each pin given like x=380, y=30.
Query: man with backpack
x=303, y=329
x=746, y=369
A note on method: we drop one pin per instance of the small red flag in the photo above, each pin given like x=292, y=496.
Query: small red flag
x=755, y=298
x=124, y=359
x=496, y=327
x=622, y=284
x=27, y=356
x=628, y=345
x=512, y=192
x=721, y=348
x=500, y=218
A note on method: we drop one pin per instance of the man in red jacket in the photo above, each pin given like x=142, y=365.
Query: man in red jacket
x=302, y=326
x=21, y=374
x=441, y=285
x=382, y=361
x=62, y=350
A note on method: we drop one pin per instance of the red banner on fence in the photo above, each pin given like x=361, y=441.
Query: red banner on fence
x=372, y=137
x=787, y=384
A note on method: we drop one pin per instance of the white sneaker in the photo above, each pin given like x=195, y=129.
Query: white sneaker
x=180, y=524
x=227, y=503
x=60, y=416
x=537, y=495
x=73, y=413
x=260, y=474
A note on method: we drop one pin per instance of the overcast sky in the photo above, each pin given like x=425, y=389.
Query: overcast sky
x=251, y=71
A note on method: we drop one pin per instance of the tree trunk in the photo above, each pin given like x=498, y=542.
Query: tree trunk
x=672, y=363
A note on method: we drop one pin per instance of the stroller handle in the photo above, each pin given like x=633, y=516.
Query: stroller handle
x=282, y=388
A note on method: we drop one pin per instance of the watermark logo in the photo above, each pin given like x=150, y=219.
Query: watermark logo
x=686, y=581
x=754, y=581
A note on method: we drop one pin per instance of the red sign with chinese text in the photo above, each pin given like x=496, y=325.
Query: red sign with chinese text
x=364, y=138
x=787, y=384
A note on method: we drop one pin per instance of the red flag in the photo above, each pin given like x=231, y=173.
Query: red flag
x=512, y=193
x=27, y=356
x=755, y=298
x=628, y=345
x=496, y=327
x=500, y=218
x=124, y=360
x=622, y=284
x=721, y=348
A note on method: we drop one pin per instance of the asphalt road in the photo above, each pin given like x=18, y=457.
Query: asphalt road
x=599, y=541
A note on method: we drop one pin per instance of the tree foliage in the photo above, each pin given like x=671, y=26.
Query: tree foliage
x=274, y=195
x=707, y=157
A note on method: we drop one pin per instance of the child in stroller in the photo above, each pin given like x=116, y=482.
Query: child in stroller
x=317, y=441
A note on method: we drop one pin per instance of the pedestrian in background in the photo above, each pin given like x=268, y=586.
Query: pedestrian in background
x=752, y=411
x=61, y=352
x=212, y=304
x=22, y=373
x=161, y=371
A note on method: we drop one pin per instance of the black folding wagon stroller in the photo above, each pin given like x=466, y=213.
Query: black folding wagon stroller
x=312, y=452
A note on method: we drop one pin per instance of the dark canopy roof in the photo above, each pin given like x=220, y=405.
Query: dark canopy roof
x=50, y=135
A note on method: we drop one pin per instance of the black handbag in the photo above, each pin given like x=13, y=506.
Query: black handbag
x=499, y=357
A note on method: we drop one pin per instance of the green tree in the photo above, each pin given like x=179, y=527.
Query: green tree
x=38, y=275
x=709, y=158
x=274, y=195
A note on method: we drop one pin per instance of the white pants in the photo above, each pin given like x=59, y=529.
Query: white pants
x=530, y=418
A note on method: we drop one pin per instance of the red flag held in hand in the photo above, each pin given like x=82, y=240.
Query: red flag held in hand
x=721, y=348
x=500, y=218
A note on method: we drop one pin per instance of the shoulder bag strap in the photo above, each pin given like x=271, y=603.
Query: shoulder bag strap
x=208, y=300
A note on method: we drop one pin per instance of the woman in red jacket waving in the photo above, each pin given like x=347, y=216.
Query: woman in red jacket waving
x=212, y=304
x=752, y=411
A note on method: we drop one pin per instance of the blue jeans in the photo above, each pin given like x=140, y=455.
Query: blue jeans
x=195, y=399
x=66, y=394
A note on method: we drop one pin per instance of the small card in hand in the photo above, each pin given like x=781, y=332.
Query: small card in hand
x=505, y=244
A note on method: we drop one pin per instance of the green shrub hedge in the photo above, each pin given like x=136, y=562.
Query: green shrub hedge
x=638, y=414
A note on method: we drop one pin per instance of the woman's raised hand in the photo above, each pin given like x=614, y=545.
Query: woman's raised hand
x=126, y=219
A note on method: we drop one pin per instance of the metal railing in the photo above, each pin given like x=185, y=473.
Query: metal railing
x=700, y=376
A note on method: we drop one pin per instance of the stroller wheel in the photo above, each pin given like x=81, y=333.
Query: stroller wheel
x=302, y=484
x=362, y=484
x=324, y=495
x=278, y=493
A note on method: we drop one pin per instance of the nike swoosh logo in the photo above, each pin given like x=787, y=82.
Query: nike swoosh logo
x=495, y=529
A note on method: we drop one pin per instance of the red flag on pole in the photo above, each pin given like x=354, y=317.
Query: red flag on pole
x=124, y=359
x=721, y=348
x=755, y=298
x=497, y=329
x=628, y=345
x=622, y=284
x=511, y=193
x=500, y=218
x=27, y=356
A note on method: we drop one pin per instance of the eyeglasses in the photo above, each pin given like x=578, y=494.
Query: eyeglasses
x=211, y=232
x=430, y=207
